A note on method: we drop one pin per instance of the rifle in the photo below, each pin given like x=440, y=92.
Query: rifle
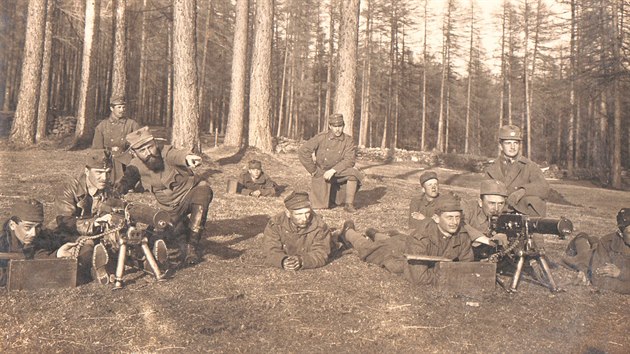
x=521, y=246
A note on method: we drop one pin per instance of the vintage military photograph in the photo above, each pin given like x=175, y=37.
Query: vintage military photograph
x=315, y=176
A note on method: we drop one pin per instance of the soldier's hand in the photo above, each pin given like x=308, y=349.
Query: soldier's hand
x=103, y=220
x=193, y=160
x=292, y=263
x=418, y=215
x=329, y=174
x=255, y=193
x=500, y=239
x=66, y=250
x=608, y=270
x=516, y=197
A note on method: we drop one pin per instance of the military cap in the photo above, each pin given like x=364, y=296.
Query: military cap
x=98, y=158
x=493, y=187
x=254, y=164
x=297, y=200
x=139, y=137
x=510, y=132
x=116, y=100
x=446, y=203
x=623, y=218
x=336, y=120
x=428, y=175
x=29, y=210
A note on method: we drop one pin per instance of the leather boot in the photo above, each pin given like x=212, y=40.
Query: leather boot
x=196, y=226
x=351, y=190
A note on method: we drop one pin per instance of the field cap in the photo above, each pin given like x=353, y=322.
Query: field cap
x=446, y=203
x=428, y=175
x=139, y=137
x=510, y=132
x=99, y=159
x=254, y=164
x=116, y=100
x=493, y=187
x=297, y=200
x=29, y=210
x=336, y=120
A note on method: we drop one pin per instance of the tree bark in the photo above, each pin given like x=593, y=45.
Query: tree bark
x=234, y=129
x=44, y=89
x=260, y=89
x=85, y=110
x=185, y=105
x=347, y=74
x=24, y=122
x=119, y=65
x=331, y=61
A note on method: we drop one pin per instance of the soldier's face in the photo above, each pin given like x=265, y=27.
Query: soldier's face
x=431, y=188
x=97, y=177
x=510, y=148
x=25, y=231
x=337, y=130
x=492, y=204
x=255, y=173
x=448, y=221
x=301, y=217
x=119, y=110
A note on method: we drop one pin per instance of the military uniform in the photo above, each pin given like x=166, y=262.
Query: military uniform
x=110, y=134
x=263, y=183
x=331, y=152
x=282, y=239
x=385, y=252
x=420, y=204
x=430, y=241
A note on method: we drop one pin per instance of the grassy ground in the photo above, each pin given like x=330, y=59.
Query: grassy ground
x=232, y=302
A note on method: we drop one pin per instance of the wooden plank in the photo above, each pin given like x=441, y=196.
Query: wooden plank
x=42, y=273
x=11, y=255
x=466, y=277
x=421, y=257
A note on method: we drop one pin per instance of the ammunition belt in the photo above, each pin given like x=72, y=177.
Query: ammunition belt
x=83, y=239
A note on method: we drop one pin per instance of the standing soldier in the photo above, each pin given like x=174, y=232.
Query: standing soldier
x=297, y=238
x=335, y=180
x=526, y=185
x=167, y=173
x=110, y=134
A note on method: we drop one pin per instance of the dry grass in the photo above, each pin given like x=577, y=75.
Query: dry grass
x=232, y=302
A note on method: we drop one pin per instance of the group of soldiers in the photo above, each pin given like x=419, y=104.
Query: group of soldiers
x=126, y=157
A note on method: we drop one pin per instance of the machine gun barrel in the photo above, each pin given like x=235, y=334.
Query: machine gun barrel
x=561, y=227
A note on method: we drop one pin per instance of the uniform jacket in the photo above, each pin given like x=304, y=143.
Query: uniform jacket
x=523, y=174
x=76, y=209
x=282, y=239
x=422, y=205
x=612, y=249
x=263, y=182
x=338, y=153
x=44, y=246
x=476, y=222
x=170, y=186
x=111, y=133
x=429, y=241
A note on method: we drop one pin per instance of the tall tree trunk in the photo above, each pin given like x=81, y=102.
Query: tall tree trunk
x=470, y=73
x=331, y=62
x=572, y=110
x=202, y=78
x=24, y=122
x=347, y=74
x=185, y=91
x=425, y=64
x=44, y=89
x=260, y=110
x=365, y=87
x=142, y=81
x=85, y=110
x=168, y=121
x=234, y=129
x=282, y=111
x=526, y=108
x=617, y=43
x=119, y=72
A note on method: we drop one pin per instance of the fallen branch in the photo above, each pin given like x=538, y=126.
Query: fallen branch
x=425, y=327
x=297, y=293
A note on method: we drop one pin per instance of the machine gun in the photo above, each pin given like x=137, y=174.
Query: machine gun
x=134, y=226
x=521, y=246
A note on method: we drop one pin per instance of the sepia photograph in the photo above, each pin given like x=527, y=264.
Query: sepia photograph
x=315, y=176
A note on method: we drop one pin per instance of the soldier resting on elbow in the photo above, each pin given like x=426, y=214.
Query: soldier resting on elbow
x=255, y=182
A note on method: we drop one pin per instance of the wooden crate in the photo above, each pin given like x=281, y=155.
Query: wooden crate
x=466, y=277
x=42, y=273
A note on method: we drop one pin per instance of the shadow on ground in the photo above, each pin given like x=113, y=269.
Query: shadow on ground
x=245, y=228
x=365, y=198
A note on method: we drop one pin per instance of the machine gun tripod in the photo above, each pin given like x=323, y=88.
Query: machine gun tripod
x=133, y=241
x=521, y=246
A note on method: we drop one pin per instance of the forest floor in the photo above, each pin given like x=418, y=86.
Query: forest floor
x=232, y=302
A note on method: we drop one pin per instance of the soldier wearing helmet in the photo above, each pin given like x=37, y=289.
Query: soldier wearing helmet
x=526, y=186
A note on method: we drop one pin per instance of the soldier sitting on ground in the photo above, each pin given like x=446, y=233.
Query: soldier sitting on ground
x=604, y=262
x=297, y=238
x=421, y=207
x=439, y=236
x=83, y=210
x=22, y=233
x=255, y=182
x=167, y=173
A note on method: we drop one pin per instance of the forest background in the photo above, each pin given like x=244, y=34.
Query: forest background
x=404, y=75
